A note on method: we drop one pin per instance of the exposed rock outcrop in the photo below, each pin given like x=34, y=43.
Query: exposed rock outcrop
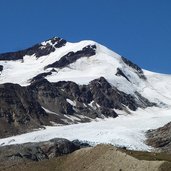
x=98, y=98
x=15, y=154
x=40, y=76
x=19, y=111
x=43, y=103
x=160, y=138
x=1, y=68
x=120, y=73
x=136, y=68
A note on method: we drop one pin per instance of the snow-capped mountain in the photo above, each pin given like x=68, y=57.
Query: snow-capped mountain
x=82, y=62
x=58, y=82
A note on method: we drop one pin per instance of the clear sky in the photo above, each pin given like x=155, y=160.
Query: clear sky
x=140, y=30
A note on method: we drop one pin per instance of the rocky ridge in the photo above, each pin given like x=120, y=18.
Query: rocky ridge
x=41, y=49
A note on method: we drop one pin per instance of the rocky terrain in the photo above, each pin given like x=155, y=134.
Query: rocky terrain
x=18, y=154
x=23, y=108
x=60, y=155
x=160, y=138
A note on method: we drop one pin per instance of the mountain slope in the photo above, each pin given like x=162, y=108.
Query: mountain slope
x=58, y=82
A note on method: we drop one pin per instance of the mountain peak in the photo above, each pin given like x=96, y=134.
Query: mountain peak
x=39, y=49
x=58, y=60
x=56, y=42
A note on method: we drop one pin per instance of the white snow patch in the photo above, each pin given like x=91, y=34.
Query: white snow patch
x=48, y=111
x=73, y=103
x=55, y=124
x=72, y=118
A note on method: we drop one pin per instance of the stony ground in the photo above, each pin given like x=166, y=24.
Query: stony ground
x=99, y=158
x=160, y=138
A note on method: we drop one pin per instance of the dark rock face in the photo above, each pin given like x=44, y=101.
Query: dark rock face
x=22, y=108
x=58, y=42
x=160, y=138
x=71, y=57
x=1, y=68
x=110, y=97
x=40, y=76
x=52, y=98
x=38, y=50
x=19, y=111
x=120, y=73
x=99, y=92
x=62, y=146
x=136, y=68
x=39, y=151
x=80, y=144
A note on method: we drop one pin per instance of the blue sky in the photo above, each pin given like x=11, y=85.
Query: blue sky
x=140, y=30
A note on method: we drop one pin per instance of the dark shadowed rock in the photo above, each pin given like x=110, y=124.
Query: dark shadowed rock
x=40, y=76
x=19, y=111
x=81, y=144
x=98, y=92
x=51, y=97
x=62, y=146
x=1, y=68
x=120, y=73
x=136, y=68
x=160, y=138
x=108, y=112
x=39, y=151
x=110, y=97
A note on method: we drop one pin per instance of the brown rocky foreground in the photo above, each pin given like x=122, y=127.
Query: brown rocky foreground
x=160, y=138
x=99, y=158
